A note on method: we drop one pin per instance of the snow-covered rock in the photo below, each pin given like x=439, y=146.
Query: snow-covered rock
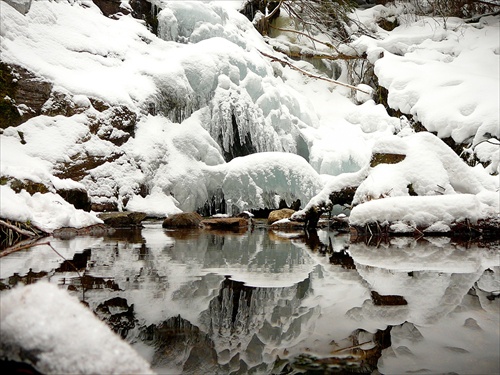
x=51, y=330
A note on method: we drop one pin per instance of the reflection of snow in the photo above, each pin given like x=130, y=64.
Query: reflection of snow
x=258, y=295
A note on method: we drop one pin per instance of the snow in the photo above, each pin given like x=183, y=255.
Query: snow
x=62, y=336
x=420, y=211
x=47, y=211
x=155, y=204
x=201, y=88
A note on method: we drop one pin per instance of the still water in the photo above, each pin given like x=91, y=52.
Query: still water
x=269, y=302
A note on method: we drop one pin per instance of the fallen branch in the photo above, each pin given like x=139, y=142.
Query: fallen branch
x=23, y=232
x=313, y=55
x=274, y=58
x=478, y=18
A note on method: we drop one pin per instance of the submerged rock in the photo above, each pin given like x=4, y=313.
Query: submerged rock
x=183, y=220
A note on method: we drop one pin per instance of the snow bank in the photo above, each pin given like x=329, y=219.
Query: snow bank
x=430, y=167
x=60, y=336
x=45, y=211
x=445, y=76
x=423, y=211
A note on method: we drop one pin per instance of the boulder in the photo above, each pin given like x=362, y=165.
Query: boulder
x=276, y=215
x=228, y=223
x=122, y=219
x=183, y=220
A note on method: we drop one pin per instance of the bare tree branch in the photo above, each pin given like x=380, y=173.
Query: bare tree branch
x=274, y=58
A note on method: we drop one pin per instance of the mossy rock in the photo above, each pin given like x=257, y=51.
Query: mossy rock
x=386, y=158
x=18, y=185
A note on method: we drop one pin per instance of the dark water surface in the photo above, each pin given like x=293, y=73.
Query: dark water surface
x=270, y=302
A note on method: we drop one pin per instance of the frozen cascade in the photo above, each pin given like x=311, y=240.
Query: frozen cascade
x=246, y=109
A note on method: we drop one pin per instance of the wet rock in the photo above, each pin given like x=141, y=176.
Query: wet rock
x=245, y=215
x=342, y=197
x=108, y=206
x=284, y=213
x=122, y=219
x=92, y=230
x=183, y=220
x=228, y=223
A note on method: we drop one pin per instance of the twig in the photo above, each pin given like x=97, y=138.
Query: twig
x=71, y=264
x=19, y=247
x=274, y=58
x=329, y=45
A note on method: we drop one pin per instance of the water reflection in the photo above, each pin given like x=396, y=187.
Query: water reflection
x=261, y=301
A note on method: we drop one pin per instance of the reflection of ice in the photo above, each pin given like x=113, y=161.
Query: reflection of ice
x=236, y=302
x=454, y=326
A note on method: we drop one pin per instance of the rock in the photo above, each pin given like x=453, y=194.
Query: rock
x=288, y=224
x=92, y=230
x=17, y=185
x=77, y=197
x=385, y=158
x=276, y=215
x=22, y=95
x=183, y=220
x=228, y=223
x=22, y=6
x=110, y=7
x=122, y=219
